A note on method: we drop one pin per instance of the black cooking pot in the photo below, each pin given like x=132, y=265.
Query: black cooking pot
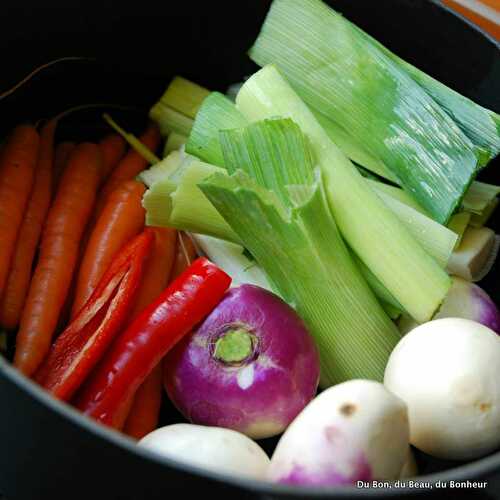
x=48, y=450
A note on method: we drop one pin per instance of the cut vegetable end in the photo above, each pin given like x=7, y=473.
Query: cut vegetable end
x=176, y=201
x=132, y=140
x=478, y=221
x=163, y=169
x=476, y=254
x=174, y=142
x=412, y=276
x=169, y=120
x=234, y=346
x=184, y=96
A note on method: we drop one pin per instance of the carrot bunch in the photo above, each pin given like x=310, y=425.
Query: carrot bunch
x=67, y=212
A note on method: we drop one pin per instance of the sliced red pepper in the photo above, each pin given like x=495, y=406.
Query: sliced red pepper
x=183, y=304
x=78, y=349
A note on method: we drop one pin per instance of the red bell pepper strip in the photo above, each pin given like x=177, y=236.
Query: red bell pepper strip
x=182, y=305
x=78, y=349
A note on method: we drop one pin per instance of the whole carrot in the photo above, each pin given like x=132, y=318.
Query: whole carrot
x=130, y=165
x=61, y=237
x=120, y=220
x=113, y=148
x=145, y=410
x=61, y=156
x=185, y=253
x=19, y=277
x=17, y=167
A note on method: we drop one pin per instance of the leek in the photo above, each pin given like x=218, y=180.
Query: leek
x=162, y=168
x=369, y=227
x=169, y=120
x=293, y=236
x=476, y=254
x=231, y=257
x=174, y=142
x=479, y=196
x=458, y=224
x=479, y=220
x=480, y=125
x=183, y=96
x=176, y=201
x=352, y=149
x=216, y=113
x=338, y=71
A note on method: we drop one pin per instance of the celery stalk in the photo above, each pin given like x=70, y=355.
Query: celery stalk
x=216, y=113
x=174, y=142
x=293, y=236
x=184, y=96
x=338, y=71
x=370, y=228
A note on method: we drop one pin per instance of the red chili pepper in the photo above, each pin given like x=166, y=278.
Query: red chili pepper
x=78, y=349
x=183, y=304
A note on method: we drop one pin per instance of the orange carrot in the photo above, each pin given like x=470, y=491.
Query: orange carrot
x=145, y=409
x=120, y=220
x=17, y=167
x=184, y=255
x=129, y=166
x=61, y=155
x=61, y=238
x=31, y=228
x=113, y=148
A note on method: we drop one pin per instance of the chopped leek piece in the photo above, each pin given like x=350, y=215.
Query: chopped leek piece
x=216, y=113
x=377, y=236
x=458, y=224
x=477, y=220
x=352, y=149
x=184, y=96
x=305, y=261
x=296, y=241
x=169, y=120
x=174, y=142
x=162, y=169
x=479, y=196
x=396, y=193
x=378, y=289
x=476, y=254
x=176, y=201
x=480, y=125
x=135, y=143
x=231, y=258
x=437, y=240
x=338, y=71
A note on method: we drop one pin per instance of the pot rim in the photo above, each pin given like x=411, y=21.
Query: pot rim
x=471, y=471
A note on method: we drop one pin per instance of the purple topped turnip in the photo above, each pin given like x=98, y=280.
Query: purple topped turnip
x=354, y=431
x=251, y=366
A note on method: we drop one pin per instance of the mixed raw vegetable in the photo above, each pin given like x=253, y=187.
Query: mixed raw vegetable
x=319, y=226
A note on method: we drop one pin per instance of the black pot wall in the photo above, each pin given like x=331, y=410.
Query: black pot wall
x=49, y=451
